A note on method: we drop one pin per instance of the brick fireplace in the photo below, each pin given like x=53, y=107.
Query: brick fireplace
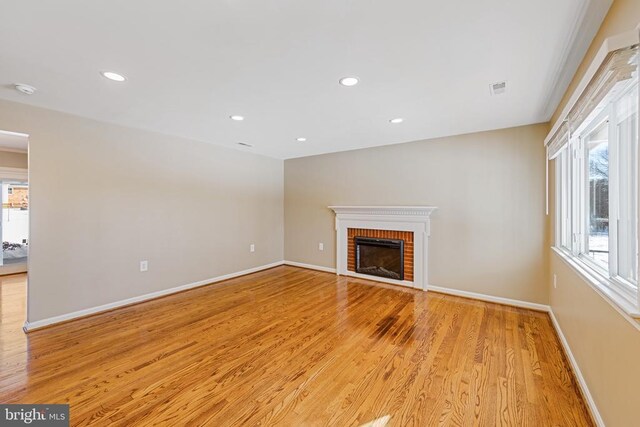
x=405, y=236
x=407, y=226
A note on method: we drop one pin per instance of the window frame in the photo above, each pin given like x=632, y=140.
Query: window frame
x=582, y=180
x=563, y=201
x=572, y=203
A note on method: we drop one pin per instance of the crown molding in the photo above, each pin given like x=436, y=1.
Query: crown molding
x=587, y=22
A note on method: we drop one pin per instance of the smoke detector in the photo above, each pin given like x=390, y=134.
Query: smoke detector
x=26, y=89
x=498, y=88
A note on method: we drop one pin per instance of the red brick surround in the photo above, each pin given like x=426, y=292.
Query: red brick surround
x=407, y=236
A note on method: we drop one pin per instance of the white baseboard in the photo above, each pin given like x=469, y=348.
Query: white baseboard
x=576, y=370
x=449, y=291
x=310, y=266
x=30, y=326
x=490, y=298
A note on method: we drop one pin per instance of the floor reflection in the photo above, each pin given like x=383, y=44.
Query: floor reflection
x=395, y=302
x=13, y=341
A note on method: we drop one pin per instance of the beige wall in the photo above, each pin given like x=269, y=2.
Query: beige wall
x=604, y=344
x=191, y=209
x=488, y=233
x=10, y=159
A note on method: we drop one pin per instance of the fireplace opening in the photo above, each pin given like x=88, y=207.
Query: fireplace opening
x=380, y=257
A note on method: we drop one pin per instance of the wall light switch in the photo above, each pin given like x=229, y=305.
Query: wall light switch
x=252, y=247
x=144, y=265
x=555, y=281
x=321, y=246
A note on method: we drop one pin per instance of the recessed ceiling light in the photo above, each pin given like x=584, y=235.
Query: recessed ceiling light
x=244, y=144
x=349, y=81
x=26, y=89
x=301, y=139
x=113, y=76
x=396, y=120
x=498, y=88
x=236, y=118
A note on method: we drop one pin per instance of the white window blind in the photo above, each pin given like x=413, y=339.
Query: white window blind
x=559, y=141
x=618, y=67
x=604, y=86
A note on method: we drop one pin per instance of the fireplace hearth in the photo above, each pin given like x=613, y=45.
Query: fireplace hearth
x=380, y=257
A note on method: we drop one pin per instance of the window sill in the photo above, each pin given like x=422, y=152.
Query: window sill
x=602, y=285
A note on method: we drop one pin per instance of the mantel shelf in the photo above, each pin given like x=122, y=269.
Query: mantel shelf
x=422, y=211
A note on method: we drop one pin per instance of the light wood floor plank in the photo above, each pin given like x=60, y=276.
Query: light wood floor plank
x=293, y=347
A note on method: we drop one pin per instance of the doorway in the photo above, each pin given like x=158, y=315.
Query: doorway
x=14, y=228
x=14, y=199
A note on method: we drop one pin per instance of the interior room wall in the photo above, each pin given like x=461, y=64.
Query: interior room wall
x=10, y=159
x=604, y=344
x=104, y=197
x=488, y=233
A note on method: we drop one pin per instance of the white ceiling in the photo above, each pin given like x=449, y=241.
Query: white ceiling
x=191, y=64
x=10, y=141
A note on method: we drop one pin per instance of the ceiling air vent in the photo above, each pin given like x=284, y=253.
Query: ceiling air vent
x=498, y=88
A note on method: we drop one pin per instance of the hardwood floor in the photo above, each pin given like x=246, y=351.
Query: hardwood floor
x=294, y=347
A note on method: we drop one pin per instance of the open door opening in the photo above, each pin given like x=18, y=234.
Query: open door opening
x=14, y=228
x=15, y=225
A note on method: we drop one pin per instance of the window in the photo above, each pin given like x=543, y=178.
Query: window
x=626, y=134
x=597, y=191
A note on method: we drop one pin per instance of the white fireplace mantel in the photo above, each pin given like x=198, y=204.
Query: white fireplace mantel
x=400, y=218
x=390, y=211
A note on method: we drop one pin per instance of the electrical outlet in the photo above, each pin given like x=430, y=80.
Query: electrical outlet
x=321, y=246
x=555, y=281
x=252, y=247
x=144, y=265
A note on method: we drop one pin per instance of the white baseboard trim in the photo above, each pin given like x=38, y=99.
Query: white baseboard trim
x=310, y=266
x=30, y=326
x=490, y=298
x=576, y=370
